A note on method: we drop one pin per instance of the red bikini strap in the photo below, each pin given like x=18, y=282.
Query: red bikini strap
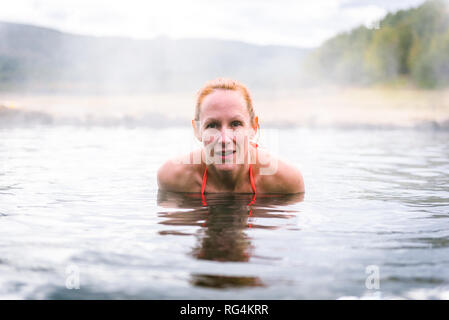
x=251, y=178
x=203, y=187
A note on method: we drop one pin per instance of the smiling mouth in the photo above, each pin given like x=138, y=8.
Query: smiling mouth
x=226, y=153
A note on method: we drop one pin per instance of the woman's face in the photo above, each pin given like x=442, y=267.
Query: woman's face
x=225, y=128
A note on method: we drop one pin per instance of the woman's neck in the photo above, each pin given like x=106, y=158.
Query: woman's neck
x=227, y=180
x=230, y=180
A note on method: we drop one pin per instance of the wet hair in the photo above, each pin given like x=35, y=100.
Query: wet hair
x=224, y=84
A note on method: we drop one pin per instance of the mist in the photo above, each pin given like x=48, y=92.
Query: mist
x=359, y=77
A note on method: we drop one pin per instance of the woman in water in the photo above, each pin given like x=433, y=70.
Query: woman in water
x=229, y=162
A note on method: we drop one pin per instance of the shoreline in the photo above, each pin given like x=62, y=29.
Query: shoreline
x=315, y=107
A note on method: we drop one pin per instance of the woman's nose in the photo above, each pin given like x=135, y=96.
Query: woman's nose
x=226, y=136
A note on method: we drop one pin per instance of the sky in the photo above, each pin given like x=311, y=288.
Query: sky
x=301, y=23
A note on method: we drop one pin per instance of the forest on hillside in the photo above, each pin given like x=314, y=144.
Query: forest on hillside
x=409, y=46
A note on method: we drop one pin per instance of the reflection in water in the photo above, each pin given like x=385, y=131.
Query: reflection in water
x=221, y=282
x=223, y=219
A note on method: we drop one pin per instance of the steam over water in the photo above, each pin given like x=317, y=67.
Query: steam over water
x=83, y=201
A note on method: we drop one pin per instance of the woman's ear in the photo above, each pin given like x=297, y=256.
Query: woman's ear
x=255, y=125
x=196, y=132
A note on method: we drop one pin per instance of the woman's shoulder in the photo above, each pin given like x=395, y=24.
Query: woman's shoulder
x=278, y=176
x=180, y=174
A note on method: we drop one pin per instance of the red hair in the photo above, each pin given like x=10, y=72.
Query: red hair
x=224, y=84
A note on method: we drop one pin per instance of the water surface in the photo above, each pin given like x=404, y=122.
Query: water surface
x=85, y=199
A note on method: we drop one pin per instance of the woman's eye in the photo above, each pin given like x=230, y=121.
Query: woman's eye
x=211, y=125
x=236, y=123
